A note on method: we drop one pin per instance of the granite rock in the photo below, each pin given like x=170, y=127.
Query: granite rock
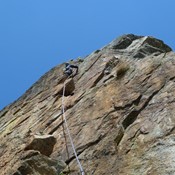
x=120, y=112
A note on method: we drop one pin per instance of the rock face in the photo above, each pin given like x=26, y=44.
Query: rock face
x=35, y=163
x=43, y=144
x=119, y=108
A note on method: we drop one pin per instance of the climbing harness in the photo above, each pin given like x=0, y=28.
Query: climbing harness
x=67, y=128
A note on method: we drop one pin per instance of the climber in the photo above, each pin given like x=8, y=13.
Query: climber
x=69, y=69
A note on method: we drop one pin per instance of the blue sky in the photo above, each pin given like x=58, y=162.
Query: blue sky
x=36, y=35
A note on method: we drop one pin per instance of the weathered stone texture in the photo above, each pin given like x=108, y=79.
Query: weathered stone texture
x=119, y=108
x=43, y=144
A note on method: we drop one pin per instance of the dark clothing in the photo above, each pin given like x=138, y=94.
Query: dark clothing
x=69, y=69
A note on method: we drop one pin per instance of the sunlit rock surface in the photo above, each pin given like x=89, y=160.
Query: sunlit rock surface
x=120, y=110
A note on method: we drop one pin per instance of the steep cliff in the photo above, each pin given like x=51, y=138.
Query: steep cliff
x=119, y=108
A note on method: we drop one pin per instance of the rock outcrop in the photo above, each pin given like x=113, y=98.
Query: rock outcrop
x=119, y=109
x=44, y=144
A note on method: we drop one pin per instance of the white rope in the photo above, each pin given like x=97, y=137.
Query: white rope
x=70, y=138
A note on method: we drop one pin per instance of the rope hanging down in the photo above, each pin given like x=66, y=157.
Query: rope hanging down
x=67, y=128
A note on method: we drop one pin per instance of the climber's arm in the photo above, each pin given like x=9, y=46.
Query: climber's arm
x=75, y=67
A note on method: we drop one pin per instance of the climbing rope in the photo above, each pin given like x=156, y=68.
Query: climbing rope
x=67, y=128
x=67, y=151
